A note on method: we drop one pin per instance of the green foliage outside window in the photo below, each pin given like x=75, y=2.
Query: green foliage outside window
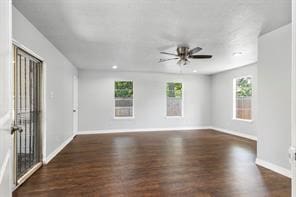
x=174, y=90
x=243, y=87
x=123, y=89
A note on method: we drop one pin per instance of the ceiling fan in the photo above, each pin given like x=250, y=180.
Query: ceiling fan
x=184, y=54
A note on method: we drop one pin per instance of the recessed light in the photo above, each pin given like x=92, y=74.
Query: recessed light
x=114, y=67
x=195, y=71
x=237, y=53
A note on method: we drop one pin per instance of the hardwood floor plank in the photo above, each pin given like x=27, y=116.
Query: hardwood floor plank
x=173, y=163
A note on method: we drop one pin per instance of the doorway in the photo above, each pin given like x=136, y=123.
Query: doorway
x=27, y=112
x=75, y=105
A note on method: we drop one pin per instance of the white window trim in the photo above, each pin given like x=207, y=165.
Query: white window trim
x=243, y=120
x=234, y=99
x=122, y=117
x=182, y=104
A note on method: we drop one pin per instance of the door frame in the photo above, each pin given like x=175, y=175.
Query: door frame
x=6, y=117
x=75, y=98
x=293, y=107
x=43, y=109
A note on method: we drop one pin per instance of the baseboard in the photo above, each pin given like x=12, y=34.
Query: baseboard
x=273, y=167
x=57, y=150
x=236, y=133
x=140, y=130
x=4, y=166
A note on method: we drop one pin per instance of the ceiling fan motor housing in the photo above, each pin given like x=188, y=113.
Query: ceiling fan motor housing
x=183, y=52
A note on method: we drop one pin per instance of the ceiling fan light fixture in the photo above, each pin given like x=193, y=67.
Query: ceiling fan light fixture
x=114, y=67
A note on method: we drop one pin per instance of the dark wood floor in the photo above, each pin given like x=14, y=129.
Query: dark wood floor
x=185, y=163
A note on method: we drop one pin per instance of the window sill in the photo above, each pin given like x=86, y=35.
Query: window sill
x=243, y=120
x=124, y=118
x=173, y=117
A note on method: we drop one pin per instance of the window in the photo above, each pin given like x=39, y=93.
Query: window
x=174, y=97
x=243, y=98
x=123, y=92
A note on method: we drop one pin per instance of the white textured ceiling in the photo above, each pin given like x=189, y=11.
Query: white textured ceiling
x=97, y=34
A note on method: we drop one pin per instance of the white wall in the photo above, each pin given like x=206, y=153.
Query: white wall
x=274, y=97
x=96, y=101
x=59, y=81
x=222, y=101
x=5, y=99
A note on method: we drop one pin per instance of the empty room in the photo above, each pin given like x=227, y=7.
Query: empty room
x=147, y=98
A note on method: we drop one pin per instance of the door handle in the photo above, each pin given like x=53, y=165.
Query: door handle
x=16, y=128
x=74, y=110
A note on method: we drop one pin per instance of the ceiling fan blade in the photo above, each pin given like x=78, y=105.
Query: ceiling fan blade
x=169, y=54
x=195, y=50
x=164, y=60
x=200, y=56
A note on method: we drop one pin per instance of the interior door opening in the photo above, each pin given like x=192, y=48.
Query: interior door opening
x=27, y=126
x=75, y=105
